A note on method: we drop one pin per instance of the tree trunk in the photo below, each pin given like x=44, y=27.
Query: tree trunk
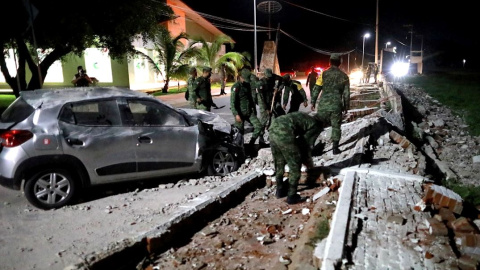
x=165, y=87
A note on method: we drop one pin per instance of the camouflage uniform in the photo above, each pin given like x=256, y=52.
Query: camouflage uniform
x=203, y=91
x=191, y=86
x=242, y=104
x=334, y=99
x=223, y=79
x=368, y=73
x=311, y=79
x=258, y=89
x=269, y=84
x=298, y=95
x=375, y=72
x=292, y=137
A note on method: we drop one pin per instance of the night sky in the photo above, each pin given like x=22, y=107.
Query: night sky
x=447, y=29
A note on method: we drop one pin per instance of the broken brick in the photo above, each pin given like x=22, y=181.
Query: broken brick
x=447, y=216
x=462, y=225
x=420, y=206
x=443, y=197
x=436, y=227
x=469, y=244
x=467, y=263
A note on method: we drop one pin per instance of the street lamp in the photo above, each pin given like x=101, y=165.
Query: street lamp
x=367, y=35
x=386, y=44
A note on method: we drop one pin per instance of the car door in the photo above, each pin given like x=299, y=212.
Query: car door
x=93, y=132
x=165, y=142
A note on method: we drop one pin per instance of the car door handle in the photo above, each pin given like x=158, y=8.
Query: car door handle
x=71, y=141
x=144, y=139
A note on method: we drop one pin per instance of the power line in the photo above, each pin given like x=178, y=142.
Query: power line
x=323, y=14
x=325, y=52
x=262, y=28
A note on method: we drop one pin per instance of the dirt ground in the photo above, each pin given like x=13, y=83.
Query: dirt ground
x=263, y=232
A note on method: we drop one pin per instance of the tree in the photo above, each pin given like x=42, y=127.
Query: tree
x=208, y=54
x=172, y=56
x=65, y=26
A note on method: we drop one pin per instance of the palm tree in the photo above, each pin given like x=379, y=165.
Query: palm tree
x=172, y=55
x=208, y=54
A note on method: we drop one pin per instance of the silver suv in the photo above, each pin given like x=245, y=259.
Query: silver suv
x=55, y=142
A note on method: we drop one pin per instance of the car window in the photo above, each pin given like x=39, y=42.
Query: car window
x=17, y=111
x=94, y=113
x=149, y=113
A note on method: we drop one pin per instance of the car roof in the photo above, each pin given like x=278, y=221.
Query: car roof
x=48, y=98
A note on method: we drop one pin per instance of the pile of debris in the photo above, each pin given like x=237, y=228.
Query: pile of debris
x=449, y=224
x=447, y=137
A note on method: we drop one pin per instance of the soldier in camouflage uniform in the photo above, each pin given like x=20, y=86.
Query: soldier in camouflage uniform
x=292, y=138
x=334, y=98
x=243, y=107
x=191, y=86
x=298, y=94
x=270, y=79
x=311, y=79
x=203, y=91
x=258, y=87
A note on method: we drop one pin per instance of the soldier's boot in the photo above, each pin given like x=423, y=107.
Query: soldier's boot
x=335, y=149
x=293, y=197
x=282, y=190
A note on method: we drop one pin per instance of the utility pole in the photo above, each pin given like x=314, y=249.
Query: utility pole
x=376, y=37
x=411, y=37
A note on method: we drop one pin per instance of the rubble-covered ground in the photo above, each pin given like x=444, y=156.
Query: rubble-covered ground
x=448, y=135
x=262, y=232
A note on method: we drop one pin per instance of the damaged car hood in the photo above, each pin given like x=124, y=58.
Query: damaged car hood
x=218, y=123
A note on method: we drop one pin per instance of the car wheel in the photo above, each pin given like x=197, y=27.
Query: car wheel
x=50, y=189
x=222, y=162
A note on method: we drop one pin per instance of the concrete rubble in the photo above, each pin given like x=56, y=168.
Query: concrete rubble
x=380, y=199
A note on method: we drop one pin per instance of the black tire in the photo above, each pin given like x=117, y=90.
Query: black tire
x=222, y=161
x=41, y=194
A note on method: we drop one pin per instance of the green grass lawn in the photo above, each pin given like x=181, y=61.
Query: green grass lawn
x=5, y=101
x=458, y=90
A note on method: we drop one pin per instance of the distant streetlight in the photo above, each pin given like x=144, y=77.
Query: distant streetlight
x=464, y=63
x=386, y=44
x=367, y=35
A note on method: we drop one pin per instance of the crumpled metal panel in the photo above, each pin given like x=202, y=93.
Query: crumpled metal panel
x=218, y=123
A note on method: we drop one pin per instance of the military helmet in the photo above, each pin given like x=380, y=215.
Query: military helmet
x=268, y=72
x=207, y=69
x=192, y=69
x=287, y=77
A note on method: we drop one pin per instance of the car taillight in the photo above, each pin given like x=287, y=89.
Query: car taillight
x=12, y=138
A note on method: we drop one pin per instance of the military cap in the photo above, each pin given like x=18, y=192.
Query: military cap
x=245, y=73
x=207, y=69
x=192, y=69
x=268, y=72
x=286, y=77
x=335, y=56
